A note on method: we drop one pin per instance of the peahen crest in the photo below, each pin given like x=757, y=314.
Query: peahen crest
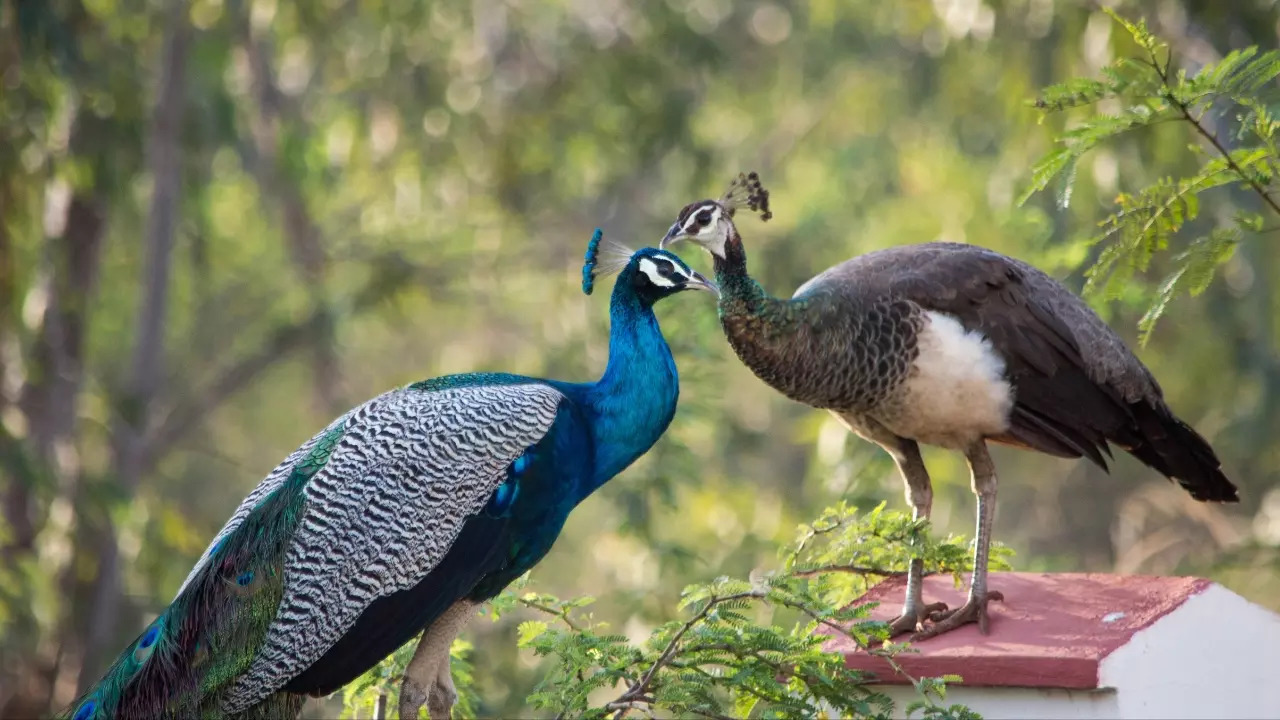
x=746, y=191
x=615, y=257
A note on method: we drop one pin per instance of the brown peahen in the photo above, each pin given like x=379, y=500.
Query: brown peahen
x=951, y=345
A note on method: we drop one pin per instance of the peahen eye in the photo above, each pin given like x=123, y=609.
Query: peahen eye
x=703, y=218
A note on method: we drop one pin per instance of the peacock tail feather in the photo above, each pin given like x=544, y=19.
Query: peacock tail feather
x=209, y=634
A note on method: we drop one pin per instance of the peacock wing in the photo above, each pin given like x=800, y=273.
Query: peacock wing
x=386, y=508
x=366, y=509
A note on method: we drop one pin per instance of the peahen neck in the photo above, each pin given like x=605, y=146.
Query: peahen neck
x=741, y=297
x=635, y=399
x=768, y=334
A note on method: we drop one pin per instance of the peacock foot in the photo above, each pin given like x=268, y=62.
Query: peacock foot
x=412, y=697
x=974, y=610
x=443, y=696
x=439, y=697
x=914, y=621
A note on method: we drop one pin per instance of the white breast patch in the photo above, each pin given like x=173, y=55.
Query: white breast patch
x=956, y=391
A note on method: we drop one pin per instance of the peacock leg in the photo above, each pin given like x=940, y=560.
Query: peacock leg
x=422, y=684
x=906, y=453
x=443, y=695
x=975, y=608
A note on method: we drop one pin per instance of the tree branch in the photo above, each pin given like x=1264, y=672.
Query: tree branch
x=1185, y=109
x=855, y=569
x=562, y=614
x=641, y=687
x=1226, y=155
x=130, y=425
x=393, y=274
x=302, y=234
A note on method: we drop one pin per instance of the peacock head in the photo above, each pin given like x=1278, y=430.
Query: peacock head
x=650, y=273
x=709, y=223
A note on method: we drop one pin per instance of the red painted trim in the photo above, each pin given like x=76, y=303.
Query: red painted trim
x=1052, y=630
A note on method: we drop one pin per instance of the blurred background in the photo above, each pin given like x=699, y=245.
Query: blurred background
x=223, y=222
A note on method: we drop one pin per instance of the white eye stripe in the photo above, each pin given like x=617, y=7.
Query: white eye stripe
x=650, y=268
x=691, y=225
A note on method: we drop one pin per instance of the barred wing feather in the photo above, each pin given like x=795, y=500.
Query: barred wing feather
x=410, y=467
x=270, y=484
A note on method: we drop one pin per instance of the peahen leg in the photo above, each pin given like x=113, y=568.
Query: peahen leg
x=906, y=454
x=975, y=608
x=422, y=683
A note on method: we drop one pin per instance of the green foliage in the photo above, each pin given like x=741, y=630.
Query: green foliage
x=746, y=648
x=450, y=159
x=1143, y=91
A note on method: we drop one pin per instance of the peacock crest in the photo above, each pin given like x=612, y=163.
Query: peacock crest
x=603, y=258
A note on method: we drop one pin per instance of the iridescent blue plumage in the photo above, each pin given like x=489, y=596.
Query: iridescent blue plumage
x=86, y=709
x=147, y=644
x=589, y=261
x=432, y=496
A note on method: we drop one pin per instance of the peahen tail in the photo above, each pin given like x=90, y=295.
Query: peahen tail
x=1179, y=452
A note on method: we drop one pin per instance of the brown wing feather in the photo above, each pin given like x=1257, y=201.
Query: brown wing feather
x=1077, y=385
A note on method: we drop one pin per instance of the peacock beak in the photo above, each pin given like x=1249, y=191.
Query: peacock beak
x=672, y=237
x=698, y=282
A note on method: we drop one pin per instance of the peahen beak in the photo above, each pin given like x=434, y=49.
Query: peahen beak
x=698, y=282
x=672, y=237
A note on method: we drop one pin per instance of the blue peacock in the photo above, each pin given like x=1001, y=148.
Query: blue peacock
x=403, y=514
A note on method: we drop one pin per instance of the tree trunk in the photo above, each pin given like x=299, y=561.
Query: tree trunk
x=130, y=423
x=48, y=399
x=303, y=236
x=17, y=494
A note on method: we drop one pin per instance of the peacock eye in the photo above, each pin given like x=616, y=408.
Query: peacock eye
x=665, y=269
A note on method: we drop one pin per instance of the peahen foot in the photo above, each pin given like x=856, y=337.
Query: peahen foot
x=914, y=621
x=974, y=610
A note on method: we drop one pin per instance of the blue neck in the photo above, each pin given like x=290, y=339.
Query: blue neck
x=635, y=399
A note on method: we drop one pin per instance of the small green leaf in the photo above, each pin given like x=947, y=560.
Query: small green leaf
x=529, y=630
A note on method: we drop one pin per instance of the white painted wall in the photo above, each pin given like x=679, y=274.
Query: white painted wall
x=1216, y=656
x=1018, y=703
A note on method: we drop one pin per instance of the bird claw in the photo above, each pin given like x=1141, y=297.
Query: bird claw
x=427, y=678
x=412, y=697
x=439, y=700
x=914, y=622
x=443, y=696
x=974, y=610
